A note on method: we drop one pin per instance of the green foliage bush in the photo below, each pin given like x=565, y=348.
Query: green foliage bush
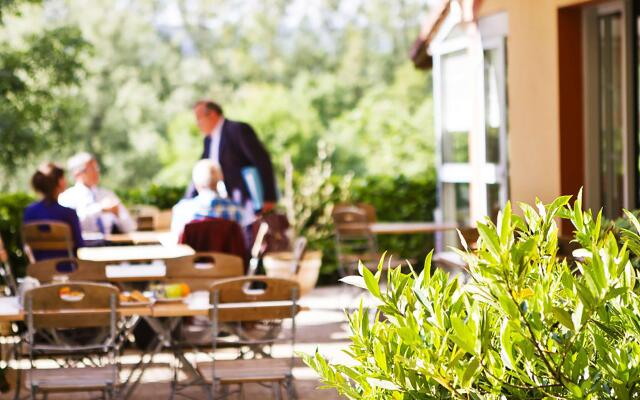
x=419, y=200
x=527, y=325
x=11, y=210
x=163, y=197
x=418, y=194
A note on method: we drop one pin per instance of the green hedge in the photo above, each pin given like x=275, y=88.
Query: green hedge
x=395, y=199
x=400, y=199
x=163, y=197
x=11, y=210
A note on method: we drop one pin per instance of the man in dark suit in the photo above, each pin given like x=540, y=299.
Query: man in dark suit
x=235, y=146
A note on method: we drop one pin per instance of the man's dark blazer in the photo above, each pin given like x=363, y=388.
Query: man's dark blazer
x=239, y=148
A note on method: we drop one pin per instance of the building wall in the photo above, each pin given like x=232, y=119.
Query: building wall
x=534, y=96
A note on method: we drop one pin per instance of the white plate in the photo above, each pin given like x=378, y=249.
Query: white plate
x=136, y=304
x=170, y=300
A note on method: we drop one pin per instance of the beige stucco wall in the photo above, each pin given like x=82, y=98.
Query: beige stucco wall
x=533, y=81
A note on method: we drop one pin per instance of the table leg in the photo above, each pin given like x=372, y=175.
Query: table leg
x=165, y=339
x=161, y=341
x=141, y=366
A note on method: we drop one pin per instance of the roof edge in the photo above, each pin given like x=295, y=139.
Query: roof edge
x=434, y=20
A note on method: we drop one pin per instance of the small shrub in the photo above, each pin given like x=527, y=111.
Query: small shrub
x=163, y=197
x=527, y=325
x=11, y=211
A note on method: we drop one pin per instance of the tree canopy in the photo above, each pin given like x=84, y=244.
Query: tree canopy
x=119, y=79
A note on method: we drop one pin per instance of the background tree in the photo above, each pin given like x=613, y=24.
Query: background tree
x=39, y=76
x=299, y=71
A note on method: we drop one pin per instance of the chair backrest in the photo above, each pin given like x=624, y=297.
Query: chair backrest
x=145, y=216
x=354, y=239
x=214, y=235
x=46, y=236
x=5, y=269
x=350, y=221
x=71, y=305
x=266, y=298
x=162, y=220
x=75, y=270
x=202, y=269
x=369, y=209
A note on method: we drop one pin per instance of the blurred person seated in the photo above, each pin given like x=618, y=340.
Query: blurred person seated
x=99, y=209
x=209, y=203
x=49, y=182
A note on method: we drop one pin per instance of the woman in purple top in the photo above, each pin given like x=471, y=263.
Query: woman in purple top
x=49, y=182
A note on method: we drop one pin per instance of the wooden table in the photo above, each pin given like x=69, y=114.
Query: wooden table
x=135, y=237
x=226, y=311
x=400, y=228
x=138, y=237
x=119, y=254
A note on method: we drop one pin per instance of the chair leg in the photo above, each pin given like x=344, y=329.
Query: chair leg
x=241, y=391
x=110, y=392
x=207, y=392
x=172, y=395
x=34, y=391
x=291, y=389
x=275, y=386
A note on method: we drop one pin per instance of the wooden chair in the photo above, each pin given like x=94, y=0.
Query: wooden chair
x=145, y=216
x=5, y=270
x=75, y=270
x=199, y=272
x=369, y=209
x=51, y=309
x=203, y=269
x=277, y=300
x=354, y=240
x=47, y=236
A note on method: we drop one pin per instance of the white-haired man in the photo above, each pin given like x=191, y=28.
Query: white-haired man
x=99, y=209
x=208, y=203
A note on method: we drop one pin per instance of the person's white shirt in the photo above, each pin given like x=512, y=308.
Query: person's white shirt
x=214, y=149
x=89, y=202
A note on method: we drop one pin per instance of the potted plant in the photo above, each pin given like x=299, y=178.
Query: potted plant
x=308, y=201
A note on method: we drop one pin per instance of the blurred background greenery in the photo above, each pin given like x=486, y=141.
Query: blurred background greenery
x=118, y=78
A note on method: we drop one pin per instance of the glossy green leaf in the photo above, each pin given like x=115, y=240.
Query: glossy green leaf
x=563, y=317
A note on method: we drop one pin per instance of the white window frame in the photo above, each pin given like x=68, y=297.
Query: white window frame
x=477, y=172
x=497, y=173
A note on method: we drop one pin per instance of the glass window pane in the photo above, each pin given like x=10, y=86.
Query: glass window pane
x=455, y=147
x=493, y=120
x=455, y=203
x=612, y=174
x=456, y=107
x=455, y=208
